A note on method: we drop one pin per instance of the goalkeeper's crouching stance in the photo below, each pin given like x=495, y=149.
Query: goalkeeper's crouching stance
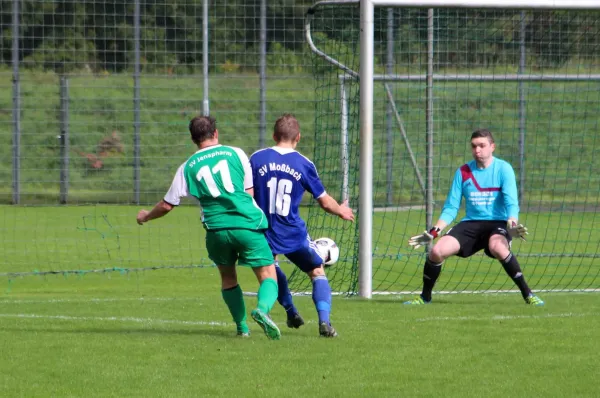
x=489, y=187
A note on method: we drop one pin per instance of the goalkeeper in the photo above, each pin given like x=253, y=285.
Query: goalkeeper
x=489, y=187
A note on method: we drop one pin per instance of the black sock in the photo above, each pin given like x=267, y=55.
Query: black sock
x=431, y=271
x=513, y=269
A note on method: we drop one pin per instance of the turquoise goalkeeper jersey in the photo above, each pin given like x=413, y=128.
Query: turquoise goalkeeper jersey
x=490, y=193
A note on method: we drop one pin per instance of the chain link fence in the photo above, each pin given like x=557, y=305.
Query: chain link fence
x=95, y=96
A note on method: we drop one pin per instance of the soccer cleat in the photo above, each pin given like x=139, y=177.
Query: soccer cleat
x=243, y=334
x=532, y=299
x=266, y=323
x=417, y=301
x=295, y=321
x=326, y=330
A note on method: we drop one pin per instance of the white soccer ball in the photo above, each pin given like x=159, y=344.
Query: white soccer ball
x=328, y=250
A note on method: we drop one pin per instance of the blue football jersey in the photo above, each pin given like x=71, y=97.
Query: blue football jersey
x=280, y=177
x=490, y=193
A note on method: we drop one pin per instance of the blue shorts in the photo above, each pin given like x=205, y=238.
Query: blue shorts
x=306, y=258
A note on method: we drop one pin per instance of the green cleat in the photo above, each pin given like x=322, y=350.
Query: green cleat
x=243, y=334
x=417, y=301
x=267, y=324
x=532, y=299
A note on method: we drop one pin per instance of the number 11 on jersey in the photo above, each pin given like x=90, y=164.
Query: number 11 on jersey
x=279, y=196
x=222, y=168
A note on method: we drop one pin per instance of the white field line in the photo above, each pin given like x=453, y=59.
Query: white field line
x=505, y=317
x=148, y=321
x=305, y=293
x=96, y=300
x=116, y=319
x=398, y=208
x=447, y=292
x=590, y=290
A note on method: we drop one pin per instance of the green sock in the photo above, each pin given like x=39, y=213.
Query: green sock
x=234, y=299
x=267, y=295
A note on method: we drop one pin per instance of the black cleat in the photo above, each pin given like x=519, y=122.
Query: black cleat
x=326, y=330
x=295, y=321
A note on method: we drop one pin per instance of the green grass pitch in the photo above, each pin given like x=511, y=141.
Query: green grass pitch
x=167, y=332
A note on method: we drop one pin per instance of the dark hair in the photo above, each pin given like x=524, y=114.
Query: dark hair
x=202, y=128
x=286, y=128
x=483, y=133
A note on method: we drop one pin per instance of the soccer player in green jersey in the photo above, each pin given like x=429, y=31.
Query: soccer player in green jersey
x=220, y=178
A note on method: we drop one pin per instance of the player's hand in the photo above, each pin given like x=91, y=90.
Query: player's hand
x=517, y=230
x=345, y=212
x=420, y=240
x=141, y=216
x=425, y=238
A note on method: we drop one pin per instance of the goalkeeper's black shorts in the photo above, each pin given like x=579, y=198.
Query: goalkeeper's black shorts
x=475, y=235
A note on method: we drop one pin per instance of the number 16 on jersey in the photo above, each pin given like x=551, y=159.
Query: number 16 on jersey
x=279, y=196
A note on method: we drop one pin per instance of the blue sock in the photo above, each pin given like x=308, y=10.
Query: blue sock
x=322, y=297
x=284, y=296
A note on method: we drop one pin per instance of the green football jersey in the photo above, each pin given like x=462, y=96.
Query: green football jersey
x=218, y=177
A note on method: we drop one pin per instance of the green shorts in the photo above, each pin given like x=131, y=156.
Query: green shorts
x=246, y=247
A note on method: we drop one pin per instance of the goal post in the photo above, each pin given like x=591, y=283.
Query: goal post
x=365, y=215
x=581, y=67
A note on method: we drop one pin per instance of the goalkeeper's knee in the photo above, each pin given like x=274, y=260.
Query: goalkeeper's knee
x=433, y=263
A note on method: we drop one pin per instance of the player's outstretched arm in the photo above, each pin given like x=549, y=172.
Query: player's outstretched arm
x=516, y=230
x=331, y=206
x=159, y=210
x=427, y=236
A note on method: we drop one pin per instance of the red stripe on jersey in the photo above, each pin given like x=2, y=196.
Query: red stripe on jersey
x=467, y=175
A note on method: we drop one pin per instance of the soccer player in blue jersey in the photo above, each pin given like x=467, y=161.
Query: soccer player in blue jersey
x=281, y=175
x=489, y=187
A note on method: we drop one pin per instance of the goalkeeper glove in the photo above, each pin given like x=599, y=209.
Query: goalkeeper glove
x=424, y=239
x=517, y=230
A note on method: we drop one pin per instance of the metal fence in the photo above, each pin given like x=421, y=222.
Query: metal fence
x=96, y=95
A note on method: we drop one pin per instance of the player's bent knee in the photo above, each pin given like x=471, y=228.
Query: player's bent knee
x=499, y=252
x=435, y=256
x=499, y=247
x=447, y=246
x=438, y=254
x=316, y=272
x=267, y=271
x=228, y=277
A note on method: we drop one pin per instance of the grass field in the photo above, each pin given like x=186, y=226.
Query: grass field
x=561, y=253
x=167, y=333
x=94, y=305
